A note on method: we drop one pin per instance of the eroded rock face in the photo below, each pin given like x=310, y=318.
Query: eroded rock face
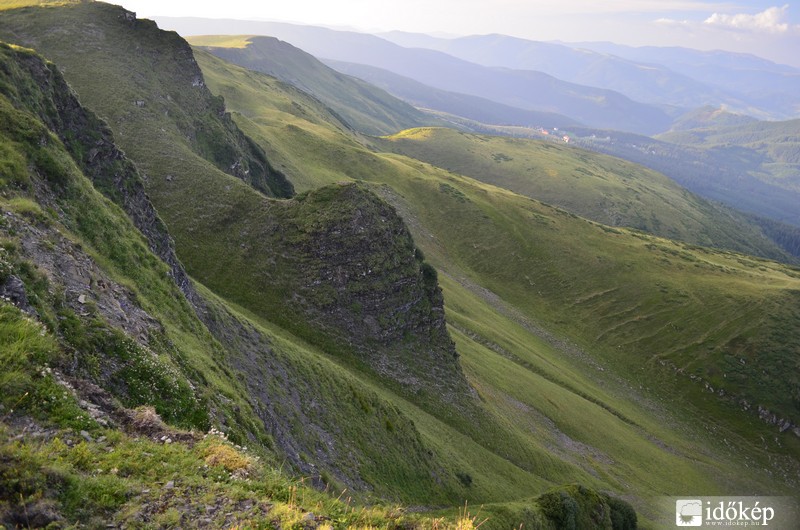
x=201, y=117
x=86, y=287
x=91, y=144
x=363, y=273
x=357, y=274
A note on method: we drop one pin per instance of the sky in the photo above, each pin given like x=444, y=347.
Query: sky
x=763, y=28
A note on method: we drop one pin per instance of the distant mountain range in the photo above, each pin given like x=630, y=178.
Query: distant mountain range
x=737, y=72
x=507, y=82
x=475, y=108
x=671, y=76
x=671, y=79
x=525, y=89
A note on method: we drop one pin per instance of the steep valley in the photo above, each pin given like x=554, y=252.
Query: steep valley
x=218, y=245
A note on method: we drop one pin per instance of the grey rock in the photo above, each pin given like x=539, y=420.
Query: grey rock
x=14, y=289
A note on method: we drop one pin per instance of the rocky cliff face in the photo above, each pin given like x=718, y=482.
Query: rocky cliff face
x=38, y=86
x=51, y=215
x=356, y=275
x=199, y=117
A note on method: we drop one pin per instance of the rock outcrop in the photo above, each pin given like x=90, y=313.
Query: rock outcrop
x=355, y=273
x=38, y=86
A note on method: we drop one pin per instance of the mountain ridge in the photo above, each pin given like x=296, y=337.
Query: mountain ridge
x=426, y=478
x=109, y=312
x=292, y=435
x=102, y=328
x=462, y=105
x=347, y=165
x=601, y=108
x=368, y=109
x=644, y=74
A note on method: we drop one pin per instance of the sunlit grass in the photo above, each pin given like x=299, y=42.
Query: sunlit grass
x=221, y=41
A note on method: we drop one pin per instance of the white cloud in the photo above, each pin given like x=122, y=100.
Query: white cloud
x=770, y=20
x=571, y=7
x=672, y=22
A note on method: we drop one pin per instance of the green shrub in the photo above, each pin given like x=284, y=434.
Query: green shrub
x=577, y=507
x=623, y=516
x=429, y=274
x=561, y=509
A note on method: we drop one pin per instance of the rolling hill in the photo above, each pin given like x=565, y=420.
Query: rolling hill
x=772, y=147
x=604, y=189
x=737, y=175
x=588, y=355
x=710, y=116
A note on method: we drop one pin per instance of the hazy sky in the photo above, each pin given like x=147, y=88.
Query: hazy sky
x=760, y=27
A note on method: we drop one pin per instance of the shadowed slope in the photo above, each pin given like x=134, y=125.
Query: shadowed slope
x=365, y=107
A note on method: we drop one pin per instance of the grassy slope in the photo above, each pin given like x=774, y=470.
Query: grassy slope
x=166, y=103
x=601, y=188
x=535, y=257
x=324, y=156
x=773, y=148
x=327, y=387
x=106, y=475
x=664, y=261
x=182, y=369
x=289, y=123
x=706, y=117
x=396, y=473
x=365, y=107
x=738, y=176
